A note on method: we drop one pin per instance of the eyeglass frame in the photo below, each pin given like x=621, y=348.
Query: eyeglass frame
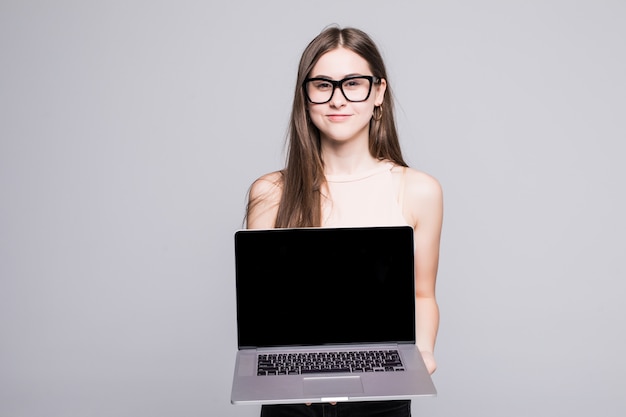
x=339, y=84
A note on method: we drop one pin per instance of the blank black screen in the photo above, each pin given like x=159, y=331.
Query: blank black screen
x=316, y=286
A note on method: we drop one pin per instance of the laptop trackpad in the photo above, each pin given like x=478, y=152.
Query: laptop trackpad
x=332, y=386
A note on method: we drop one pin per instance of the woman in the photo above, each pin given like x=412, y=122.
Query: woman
x=345, y=168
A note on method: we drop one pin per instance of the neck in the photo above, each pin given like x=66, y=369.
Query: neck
x=346, y=159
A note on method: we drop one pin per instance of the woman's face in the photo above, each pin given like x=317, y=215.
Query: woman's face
x=340, y=119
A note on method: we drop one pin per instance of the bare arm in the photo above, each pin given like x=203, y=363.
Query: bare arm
x=424, y=207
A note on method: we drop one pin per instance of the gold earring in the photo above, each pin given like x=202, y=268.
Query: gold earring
x=377, y=114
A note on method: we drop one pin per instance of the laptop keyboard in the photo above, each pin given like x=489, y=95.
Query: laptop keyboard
x=329, y=362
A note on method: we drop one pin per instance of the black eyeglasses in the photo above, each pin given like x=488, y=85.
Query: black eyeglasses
x=355, y=89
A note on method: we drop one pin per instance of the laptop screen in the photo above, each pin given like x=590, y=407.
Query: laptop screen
x=325, y=286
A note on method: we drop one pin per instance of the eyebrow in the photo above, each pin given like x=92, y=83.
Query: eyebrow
x=344, y=77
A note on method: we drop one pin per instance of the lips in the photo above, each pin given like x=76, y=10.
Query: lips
x=338, y=117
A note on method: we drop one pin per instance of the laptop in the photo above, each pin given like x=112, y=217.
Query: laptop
x=326, y=315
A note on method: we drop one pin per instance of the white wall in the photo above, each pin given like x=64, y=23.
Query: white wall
x=130, y=131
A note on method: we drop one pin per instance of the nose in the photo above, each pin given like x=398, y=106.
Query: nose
x=337, y=99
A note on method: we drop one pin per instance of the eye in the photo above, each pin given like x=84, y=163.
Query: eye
x=322, y=85
x=353, y=83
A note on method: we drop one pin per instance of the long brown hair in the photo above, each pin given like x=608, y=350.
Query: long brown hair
x=303, y=176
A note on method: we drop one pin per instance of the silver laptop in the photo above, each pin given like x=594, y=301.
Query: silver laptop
x=326, y=315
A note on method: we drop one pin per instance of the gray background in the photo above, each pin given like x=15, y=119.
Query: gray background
x=131, y=130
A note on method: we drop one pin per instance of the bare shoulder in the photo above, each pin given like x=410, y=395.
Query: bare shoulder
x=418, y=184
x=267, y=187
x=422, y=185
x=263, y=201
x=423, y=198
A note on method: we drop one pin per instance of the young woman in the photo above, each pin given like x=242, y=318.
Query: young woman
x=345, y=168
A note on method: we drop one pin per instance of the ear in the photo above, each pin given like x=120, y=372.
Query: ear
x=380, y=90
